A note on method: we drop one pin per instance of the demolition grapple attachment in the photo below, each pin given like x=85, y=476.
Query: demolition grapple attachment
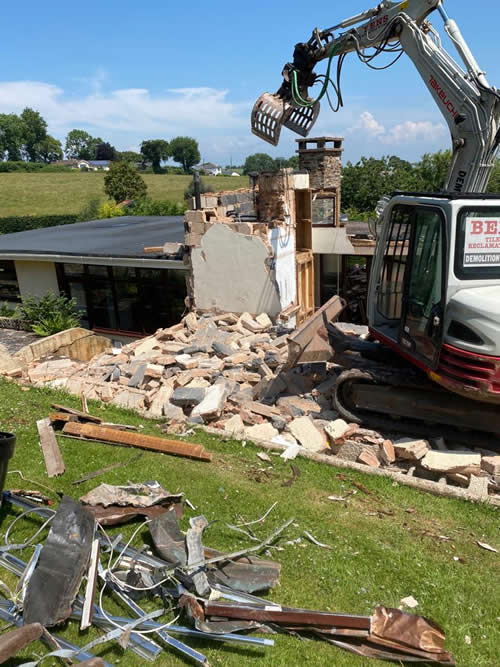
x=272, y=112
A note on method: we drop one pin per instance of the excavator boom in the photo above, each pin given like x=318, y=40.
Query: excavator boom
x=469, y=105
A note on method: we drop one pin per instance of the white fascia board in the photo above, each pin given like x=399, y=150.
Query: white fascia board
x=103, y=261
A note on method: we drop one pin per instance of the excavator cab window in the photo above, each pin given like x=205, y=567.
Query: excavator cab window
x=422, y=317
x=391, y=288
x=410, y=291
x=477, y=255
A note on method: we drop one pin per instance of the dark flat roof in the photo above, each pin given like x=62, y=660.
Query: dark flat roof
x=114, y=237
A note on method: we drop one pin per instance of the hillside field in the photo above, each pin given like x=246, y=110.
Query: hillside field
x=23, y=194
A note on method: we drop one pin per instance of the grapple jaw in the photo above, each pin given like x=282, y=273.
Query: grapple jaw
x=272, y=112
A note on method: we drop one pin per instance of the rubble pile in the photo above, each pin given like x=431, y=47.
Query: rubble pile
x=230, y=373
x=201, y=593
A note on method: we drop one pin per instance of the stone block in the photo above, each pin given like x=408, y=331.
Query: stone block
x=222, y=350
x=186, y=361
x=451, y=462
x=264, y=321
x=478, y=487
x=337, y=429
x=491, y=465
x=410, y=449
x=302, y=405
x=263, y=431
x=186, y=397
x=350, y=450
x=234, y=426
x=213, y=403
x=368, y=458
x=386, y=452
x=154, y=371
x=306, y=433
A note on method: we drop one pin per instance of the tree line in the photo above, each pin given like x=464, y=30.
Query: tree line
x=366, y=181
x=24, y=137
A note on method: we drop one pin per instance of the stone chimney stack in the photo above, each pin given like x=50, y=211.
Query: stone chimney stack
x=321, y=158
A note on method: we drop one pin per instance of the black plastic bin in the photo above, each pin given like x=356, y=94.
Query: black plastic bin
x=7, y=446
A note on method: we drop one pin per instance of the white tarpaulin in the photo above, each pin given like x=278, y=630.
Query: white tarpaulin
x=482, y=242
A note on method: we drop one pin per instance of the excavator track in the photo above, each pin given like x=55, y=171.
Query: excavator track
x=403, y=400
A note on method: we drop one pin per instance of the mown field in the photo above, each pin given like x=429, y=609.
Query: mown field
x=24, y=194
x=387, y=541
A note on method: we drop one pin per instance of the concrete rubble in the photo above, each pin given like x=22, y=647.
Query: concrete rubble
x=228, y=372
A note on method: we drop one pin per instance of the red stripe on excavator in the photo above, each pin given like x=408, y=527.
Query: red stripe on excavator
x=399, y=350
x=452, y=359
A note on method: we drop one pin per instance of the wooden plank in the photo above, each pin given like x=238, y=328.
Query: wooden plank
x=77, y=413
x=112, y=436
x=53, y=460
x=156, y=249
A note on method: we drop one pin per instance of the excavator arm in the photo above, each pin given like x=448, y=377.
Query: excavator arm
x=470, y=106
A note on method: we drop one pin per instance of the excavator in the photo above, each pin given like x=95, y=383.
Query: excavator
x=434, y=293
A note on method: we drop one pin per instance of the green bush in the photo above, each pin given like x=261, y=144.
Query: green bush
x=50, y=313
x=189, y=191
x=23, y=223
x=6, y=167
x=90, y=211
x=6, y=310
x=148, y=206
x=110, y=210
x=122, y=181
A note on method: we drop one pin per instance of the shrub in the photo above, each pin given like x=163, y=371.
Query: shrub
x=149, y=206
x=110, y=210
x=6, y=167
x=6, y=310
x=90, y=211
x=122, y=181
x=50, y=313
x=22, y=223
x=189, y=191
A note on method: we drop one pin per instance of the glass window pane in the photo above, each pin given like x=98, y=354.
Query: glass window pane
x=124, y=272
x=323, y=211
x=129, y=306
x=77, y=291
x=96, y=270
x=9, y=288
x=103, y=311
x=75, y=270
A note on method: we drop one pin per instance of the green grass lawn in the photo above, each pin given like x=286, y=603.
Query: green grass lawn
x=24, y=194
x=385, y=546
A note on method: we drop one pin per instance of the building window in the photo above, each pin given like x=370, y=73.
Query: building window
x=324, y=210
x=125, y=299
x=9, y=287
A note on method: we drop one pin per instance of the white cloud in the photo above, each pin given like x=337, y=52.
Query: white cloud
x=369, y=123
x=413, y=131
x=126, y=116
x=403, y=133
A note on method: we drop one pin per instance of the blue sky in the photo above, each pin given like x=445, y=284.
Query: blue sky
x=128, y=71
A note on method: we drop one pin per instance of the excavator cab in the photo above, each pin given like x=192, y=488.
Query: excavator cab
x=435, y=288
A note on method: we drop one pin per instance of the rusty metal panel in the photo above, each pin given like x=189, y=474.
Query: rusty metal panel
x=15, y=640
x=63, y=561
x=287, y=616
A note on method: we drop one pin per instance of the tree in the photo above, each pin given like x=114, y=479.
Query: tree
x=123, y=182
x=49, y=149
x=11, y=137
x=129, y=156
x=80, y=145
x=185, y=150
x=293, y=162
x=494, y=184
x=364, y=183
x=105, y=151
x=258, y=162
x=432, y=170
x=154, y=151
x=34, y=131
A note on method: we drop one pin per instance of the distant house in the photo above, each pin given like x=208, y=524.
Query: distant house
x=209, y=168
x=89, y=165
